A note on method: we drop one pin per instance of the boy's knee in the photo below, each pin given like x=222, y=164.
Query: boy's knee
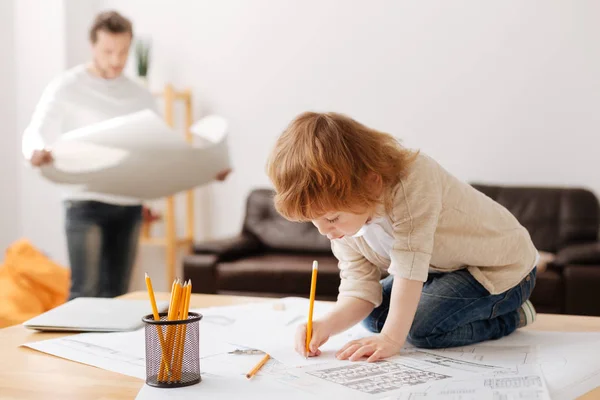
x=418, y=337
x=426, y=342
x=423, y=333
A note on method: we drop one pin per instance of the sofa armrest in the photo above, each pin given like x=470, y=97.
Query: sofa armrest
x=581, y=290
x=230, y=248
x=202, y=270
x=580, y=254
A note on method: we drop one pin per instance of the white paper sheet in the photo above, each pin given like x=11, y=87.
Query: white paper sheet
x=81, y=157
x=78, y=348
x=125, y=352
x=274, y=332
x=138, y=156
x=225, y=387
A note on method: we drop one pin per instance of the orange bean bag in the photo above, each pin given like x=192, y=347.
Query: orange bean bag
x=30, y=284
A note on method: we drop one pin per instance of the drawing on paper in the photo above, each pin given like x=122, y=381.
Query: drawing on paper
x=375, y=378
x=451, y=362
x=104, y=352
x=516, y=382
x=496, y=354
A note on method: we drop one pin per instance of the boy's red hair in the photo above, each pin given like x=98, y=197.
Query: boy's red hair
x=328, y=162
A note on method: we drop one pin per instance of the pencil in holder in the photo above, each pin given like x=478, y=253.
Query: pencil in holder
x=172, y=351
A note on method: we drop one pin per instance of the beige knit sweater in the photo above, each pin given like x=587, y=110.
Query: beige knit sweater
x=440, y=224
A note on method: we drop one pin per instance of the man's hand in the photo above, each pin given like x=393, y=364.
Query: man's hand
x=321, y=331
x=221, y=176
x=149, y=215
x=375, y=348
x=41, y=157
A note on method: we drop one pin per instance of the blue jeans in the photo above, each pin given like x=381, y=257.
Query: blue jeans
x=456, y=310
x=102, y=240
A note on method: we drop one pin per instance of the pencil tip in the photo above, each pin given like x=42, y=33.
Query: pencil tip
x=146, y=274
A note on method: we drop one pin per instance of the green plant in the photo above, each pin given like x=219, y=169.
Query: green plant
x=142, y=52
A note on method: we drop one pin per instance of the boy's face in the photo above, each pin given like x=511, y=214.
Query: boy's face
x=336, y=225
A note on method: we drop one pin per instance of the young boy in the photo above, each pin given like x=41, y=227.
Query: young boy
x=461, y=267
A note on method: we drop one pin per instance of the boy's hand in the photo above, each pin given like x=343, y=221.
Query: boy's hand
x=320, y=334
x=375, y=347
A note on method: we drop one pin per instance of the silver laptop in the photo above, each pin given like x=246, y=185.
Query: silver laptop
x=93, y=314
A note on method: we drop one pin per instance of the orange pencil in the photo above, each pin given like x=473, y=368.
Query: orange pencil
x=180, y=335
x=313, y=289
x=172, y=315
x=258, y=366
x=161, y=337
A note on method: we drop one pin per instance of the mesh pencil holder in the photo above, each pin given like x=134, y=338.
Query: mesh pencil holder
x=172, y=351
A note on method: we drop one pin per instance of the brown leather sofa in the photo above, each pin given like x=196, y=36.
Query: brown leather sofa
x=272, y=256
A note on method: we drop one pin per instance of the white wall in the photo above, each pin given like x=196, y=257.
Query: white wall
x=9, y=201
x=37, y=62
x=502, y=92
x=78, y=16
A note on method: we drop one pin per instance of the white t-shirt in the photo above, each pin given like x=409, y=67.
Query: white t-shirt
x=78, y=98
x=379, y=235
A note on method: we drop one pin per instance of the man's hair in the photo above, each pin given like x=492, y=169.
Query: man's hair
x=112, y=22
x=328, y=162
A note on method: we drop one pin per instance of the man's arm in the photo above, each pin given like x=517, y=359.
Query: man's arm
x=45, y=126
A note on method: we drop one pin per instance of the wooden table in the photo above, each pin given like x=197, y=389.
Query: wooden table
x=29, y=374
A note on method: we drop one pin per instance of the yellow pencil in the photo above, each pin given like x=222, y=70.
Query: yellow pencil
x=258, y=366
x=313, y=289
x=161, y=372
x=180, y=335
x=172, y=315
x=161, y=338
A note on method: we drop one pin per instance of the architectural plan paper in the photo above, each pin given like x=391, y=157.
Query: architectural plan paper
x=138, y=156
x=130, y=362
x=527, y=383
x=564, y=357
x=375, y=380
x=503, y=368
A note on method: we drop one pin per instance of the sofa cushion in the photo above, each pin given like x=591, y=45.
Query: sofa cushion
x=279, y=273
x=277, y=233
x=554, y=217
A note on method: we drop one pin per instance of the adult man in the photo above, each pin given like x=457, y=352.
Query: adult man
x=102, y=230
